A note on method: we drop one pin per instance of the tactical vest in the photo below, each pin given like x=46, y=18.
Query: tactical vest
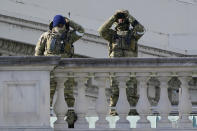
x=57, y=44
x=124, y=42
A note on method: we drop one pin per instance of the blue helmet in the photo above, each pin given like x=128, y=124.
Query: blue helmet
x=58, y=19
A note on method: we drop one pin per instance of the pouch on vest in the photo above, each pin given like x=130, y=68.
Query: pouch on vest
x=127, y=42
x=52, y=44
x=133, y=44
x=130, y=40
x=57, y=44
x=68, y=48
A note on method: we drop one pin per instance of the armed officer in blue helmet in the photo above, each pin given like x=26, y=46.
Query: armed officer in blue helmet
x=58, y=41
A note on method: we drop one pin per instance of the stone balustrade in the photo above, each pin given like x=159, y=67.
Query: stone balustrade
x=101, y=71
x=163, y=69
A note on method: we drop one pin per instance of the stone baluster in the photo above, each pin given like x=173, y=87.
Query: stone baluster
x=60, y=106
x=81, y=106
x=143, y=106
x=185, y=105
x=101, y=103
x=122, y=106
x=164, y=106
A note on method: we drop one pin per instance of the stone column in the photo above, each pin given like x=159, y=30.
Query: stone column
x=164, y=106
x=60, y=106
x=101, y=103
x=122, y=106
x=81, y=106
x=185, y=105
x=143, y=106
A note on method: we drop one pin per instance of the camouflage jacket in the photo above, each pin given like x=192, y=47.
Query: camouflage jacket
x=44, y=45
x=117, y=40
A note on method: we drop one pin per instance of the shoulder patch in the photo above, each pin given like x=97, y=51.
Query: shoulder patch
x=79, y=34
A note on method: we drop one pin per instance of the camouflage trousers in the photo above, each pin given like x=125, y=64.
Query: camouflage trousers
x=131, y=89
x=69, y=98
x=131, y=92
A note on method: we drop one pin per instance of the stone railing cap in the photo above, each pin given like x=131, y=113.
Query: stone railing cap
x=29, y=60
x=128, y=62
x=97, y=62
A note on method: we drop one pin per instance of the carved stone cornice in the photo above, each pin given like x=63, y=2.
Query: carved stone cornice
x=13, y=48
x=23, y=23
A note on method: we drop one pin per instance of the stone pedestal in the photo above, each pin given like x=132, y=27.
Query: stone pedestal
x=25, y=94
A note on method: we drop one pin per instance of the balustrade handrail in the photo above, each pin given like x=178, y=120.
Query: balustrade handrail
x=99, y=62
x=124, y=62
x=28, y=60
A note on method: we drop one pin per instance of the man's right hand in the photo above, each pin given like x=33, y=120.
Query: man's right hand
x=67, y=23
x=67, y=20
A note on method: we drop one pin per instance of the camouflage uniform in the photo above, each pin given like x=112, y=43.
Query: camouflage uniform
x=122, y=43
x=46, y=47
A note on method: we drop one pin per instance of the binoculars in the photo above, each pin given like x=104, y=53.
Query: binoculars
x=121, y=16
